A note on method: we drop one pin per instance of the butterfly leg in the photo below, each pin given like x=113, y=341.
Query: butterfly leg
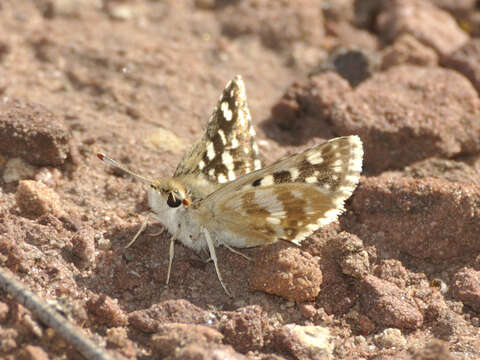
x=213, y=255
x=142, y=229
x=237, y=252
x=157, y=233
x=170, y=257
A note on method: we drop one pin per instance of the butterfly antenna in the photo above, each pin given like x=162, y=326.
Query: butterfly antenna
x=116, y=164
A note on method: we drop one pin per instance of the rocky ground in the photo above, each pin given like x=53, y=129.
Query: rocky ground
x=397, y=277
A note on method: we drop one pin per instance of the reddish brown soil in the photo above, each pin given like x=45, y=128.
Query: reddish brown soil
x=397, y=277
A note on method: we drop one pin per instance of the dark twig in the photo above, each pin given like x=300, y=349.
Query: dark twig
x=50, y=317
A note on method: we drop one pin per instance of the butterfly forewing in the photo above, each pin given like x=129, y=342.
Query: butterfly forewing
x=227, y=148
x=291, y=198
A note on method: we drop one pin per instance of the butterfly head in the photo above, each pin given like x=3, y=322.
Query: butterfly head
x=172, y=192
x=160, y=192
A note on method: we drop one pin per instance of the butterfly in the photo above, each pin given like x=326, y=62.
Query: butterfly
x=220, y=194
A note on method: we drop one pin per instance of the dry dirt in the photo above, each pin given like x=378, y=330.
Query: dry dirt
x=397, y=277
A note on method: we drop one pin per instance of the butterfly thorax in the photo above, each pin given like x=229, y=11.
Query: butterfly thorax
x=174, y=201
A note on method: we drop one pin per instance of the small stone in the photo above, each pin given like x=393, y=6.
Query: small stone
x=347, y=35
x=448, y=325
x=165, y=140
x=308, y=310
x=466, y=60
x=427, y=23
x=305, y=342
x=321, y=92
x=353, y=259
x=30, y=352
x=117, y=338
x=355, y=265
x=286, y=271
x=15, y=257
x=408, y=50
x=366, y=12
x=178, y=311
x=460, y=8
x=365, y=325
x=8, y=340
x=392, y=271
x=205, y=4
x=3, y=312
x=388, y=305
x=206, y=351
x=66, y=8
x=354, y=65
x=49, y=176
x=443, y=169
x=36, y=199
x=120, y=12
x=83, y=245
x=245, y=329
x=170, y=338
x=107, y=311
x=434, y=350
x=425, y=218
x=33, y=133
x=390, y=338
x=102, y=242
x=278, y=24
x=28, y=323
x=466, y=287
x=16, y=169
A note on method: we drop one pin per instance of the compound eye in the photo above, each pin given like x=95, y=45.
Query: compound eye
x=173, y=202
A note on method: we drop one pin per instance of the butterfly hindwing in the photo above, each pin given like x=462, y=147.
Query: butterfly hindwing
x=227, y=148
x=290, y=199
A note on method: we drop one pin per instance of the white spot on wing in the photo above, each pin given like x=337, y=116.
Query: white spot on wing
x=257, y=164
x=222, y=136
x=353, y=179
x=273, y=220
x=227, y=160
x=329, y=216
x=294, y=173
x=337, y=163
x=255, y=148
x=279, y=214
x=227, y=113
x=201, y=164
x=234, y=144
x=221, y=178
x=356, y=165
x=210, y=151
x=267, y=180
x=241, y=119
x=315, y=158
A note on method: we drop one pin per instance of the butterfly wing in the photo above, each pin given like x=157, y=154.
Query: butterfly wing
x=227, y=148
x=289, y=199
